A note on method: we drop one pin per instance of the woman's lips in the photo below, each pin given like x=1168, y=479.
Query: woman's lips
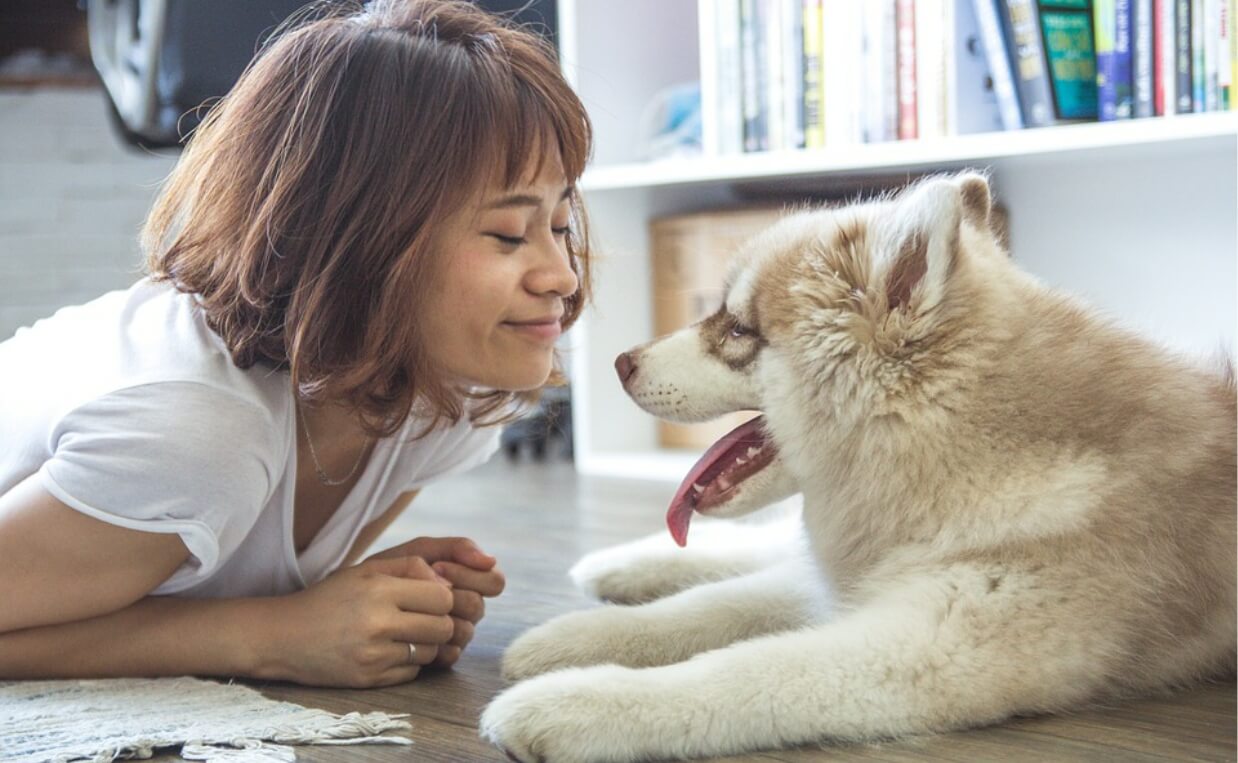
x=544, y=330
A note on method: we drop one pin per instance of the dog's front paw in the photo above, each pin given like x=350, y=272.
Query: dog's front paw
x=577, y=639
x=571, y=716
x=634, y=573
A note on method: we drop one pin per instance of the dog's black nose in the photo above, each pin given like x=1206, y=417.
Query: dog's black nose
x=625, y=366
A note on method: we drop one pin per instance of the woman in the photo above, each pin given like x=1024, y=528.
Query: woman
x=363, y=258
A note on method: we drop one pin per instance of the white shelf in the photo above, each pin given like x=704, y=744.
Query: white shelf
x=899, y=155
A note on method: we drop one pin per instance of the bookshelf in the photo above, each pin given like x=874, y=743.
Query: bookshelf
x=1139, y=217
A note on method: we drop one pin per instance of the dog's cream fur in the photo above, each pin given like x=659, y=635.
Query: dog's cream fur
x=1010, y=506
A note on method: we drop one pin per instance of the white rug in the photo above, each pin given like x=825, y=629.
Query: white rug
x=110, y=719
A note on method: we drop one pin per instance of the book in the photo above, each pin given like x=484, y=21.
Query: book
x=725, y=103
x=1104, y=23
x=880, y=73
x=1068, y=42
x=772, y=80
x=1021, y=29
x=905, y=20
x=841, y=36
x=931, y=47
x=1198, y=71
x=1184, y=57
x=1163, y=58
x=814, y=84
x=1141, y=58
x=792, y=65
x=972, y=103
x=989, y=25
x=751, y=49
x=1123, y=82
x=1225, y=57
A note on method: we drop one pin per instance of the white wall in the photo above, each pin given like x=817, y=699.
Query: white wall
x=72, y=199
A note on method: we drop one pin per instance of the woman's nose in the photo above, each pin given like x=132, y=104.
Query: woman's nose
x=553, y=274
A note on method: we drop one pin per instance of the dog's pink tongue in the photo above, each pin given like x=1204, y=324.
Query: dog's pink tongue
x=679, y=514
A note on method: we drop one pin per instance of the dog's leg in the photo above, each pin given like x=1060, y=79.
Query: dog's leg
x=936, y=657
x=654, y=567
x=710, y=616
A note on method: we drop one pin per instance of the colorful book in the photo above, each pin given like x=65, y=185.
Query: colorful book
x=814, y=85
x=1199, y=72
x=728, y=75
x=793, y=73
x=905, y=20
x=1141, y=58
x=1123, y=82
x=1068, y=39
x=751, y=48
x=989, y=24
x=1184, y=57
x=1021, y=29
x=972, y=104
x=1163, y=58
x=879, y=106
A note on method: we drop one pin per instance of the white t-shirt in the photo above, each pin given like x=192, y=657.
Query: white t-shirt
x=130, y=410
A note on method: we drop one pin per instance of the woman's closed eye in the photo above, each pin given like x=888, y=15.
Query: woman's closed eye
x=515, y=241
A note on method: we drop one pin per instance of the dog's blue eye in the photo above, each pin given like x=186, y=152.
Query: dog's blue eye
x=739, y=331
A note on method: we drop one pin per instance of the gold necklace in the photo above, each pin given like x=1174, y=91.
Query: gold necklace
x=322, y=475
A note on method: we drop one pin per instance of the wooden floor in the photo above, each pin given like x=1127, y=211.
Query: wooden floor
x=539, y=519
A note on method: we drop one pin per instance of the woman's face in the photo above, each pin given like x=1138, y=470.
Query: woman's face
x=492, y=316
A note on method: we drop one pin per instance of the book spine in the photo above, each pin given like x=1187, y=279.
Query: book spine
x=1066, y=26
x=1163, y=58
x=841, y=58
x=729, y=78
x=814, y=89
x=1122, y=80
x=905, y=19
x=711, y=118
x=889, y=70
x=1141, y=57
x=774, y=88
x=930, y=68
x=1019, y=25
x=999, y=63
x=1184, y=57
x=1233, y=55
x=1212, y=40
x=793, y=72
x=750, y=50
x=1225, y=83
x=1198, y=72
x=880, y=111
x=1103, y=22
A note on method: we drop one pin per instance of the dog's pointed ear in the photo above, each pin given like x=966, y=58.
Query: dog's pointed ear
x=926, y=250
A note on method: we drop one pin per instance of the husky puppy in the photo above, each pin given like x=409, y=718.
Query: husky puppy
x=1010, y=506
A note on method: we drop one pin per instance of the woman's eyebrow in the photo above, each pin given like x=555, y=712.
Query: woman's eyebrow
x=523, y=200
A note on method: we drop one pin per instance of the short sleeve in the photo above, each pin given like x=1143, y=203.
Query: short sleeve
x=169, y=457
x=452, y=451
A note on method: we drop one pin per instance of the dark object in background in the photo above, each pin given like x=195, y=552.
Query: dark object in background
x=547, y=427
x=161, y=60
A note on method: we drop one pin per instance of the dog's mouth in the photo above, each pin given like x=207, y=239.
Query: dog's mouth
x=716, y=477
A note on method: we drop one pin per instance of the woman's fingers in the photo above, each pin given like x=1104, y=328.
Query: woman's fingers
x=468, y=605
x=421, y=596
x=417, y=628
x=485, y=582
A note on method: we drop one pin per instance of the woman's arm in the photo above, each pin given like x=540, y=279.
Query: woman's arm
x=76, y=605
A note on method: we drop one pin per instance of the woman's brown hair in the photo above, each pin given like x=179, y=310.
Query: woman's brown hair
x=302, y=213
